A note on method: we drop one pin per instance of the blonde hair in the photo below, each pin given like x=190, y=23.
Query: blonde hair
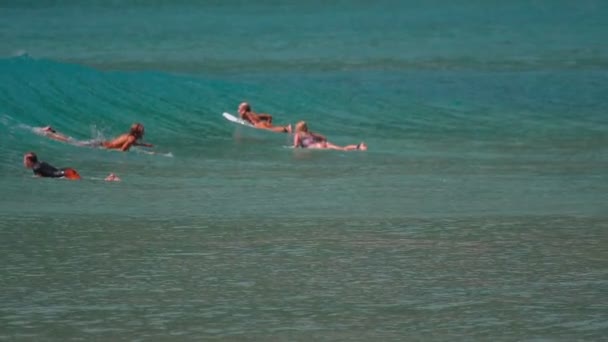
x=301, y=126
x=245, y=106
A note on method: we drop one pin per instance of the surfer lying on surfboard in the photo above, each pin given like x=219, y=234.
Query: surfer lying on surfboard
x=263, y=121
x=44, y=169
x=122, y=142
x=303, y=138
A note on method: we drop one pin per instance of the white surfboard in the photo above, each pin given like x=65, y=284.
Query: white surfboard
x=236, y=120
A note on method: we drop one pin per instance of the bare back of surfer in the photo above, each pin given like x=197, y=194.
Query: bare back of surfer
x=125, y=141
x=263, y=121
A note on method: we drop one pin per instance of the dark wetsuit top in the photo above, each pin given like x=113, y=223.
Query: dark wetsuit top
x=44, y=169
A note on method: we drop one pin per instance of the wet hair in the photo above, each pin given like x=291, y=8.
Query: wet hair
x=31, y=156
x=301, y=126
x=137, y=129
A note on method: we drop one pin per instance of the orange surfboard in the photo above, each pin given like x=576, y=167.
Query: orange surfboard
x=70, y=173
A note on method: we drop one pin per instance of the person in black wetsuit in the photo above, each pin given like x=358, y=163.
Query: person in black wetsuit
x=44, y=169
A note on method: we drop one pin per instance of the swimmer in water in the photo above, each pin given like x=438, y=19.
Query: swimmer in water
x=303, y=138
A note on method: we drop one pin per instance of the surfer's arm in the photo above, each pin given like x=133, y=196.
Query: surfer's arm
x=128, y=143
x=265, y=117
x=143, y=144
x=244, y=116
x=296, y=140
x=249, y=118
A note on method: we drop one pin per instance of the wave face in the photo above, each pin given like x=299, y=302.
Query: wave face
x=423, y=122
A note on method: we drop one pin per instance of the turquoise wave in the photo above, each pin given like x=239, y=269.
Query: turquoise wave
x=407, y=112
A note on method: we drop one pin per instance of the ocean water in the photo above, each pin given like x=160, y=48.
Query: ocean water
x=478, y=212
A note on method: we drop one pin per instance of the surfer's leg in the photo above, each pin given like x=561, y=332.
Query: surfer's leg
x=279, y=129
x=331, y=146
x=323, y=146
x=51, y=133
x=47, y=129
x=360, y=146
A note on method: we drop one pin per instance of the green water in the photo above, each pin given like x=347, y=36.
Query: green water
x=303, y=279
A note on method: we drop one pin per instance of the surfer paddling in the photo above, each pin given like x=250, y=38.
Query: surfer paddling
x=303, y=138
x=263, y=121
x=44, y=169
x=123, y=142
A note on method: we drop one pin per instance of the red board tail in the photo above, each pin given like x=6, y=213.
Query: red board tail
x=70, y=173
